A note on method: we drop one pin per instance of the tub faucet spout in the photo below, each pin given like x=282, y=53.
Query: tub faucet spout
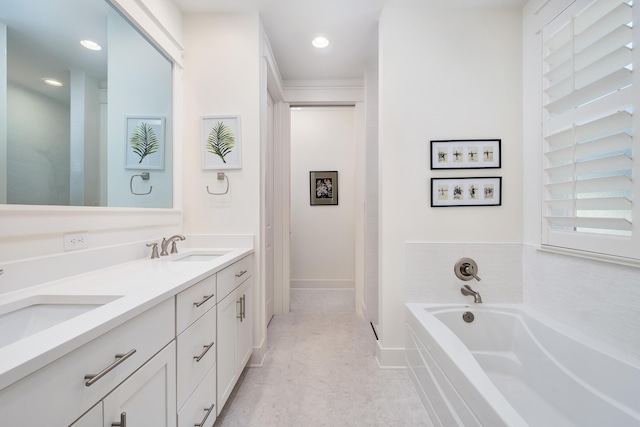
x=466, y=290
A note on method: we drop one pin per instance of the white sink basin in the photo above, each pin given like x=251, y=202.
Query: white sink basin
x=195, y=256
x=25, y=317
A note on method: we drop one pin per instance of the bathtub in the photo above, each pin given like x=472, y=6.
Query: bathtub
x=512, y=366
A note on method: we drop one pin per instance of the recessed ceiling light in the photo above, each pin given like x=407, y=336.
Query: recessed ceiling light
x=52, y=82
x=90, y=45
x=320, y=42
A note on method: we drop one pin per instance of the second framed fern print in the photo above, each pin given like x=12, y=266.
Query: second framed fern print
x=221, y=142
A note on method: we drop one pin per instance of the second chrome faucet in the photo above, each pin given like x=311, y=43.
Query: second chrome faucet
x=172, y=240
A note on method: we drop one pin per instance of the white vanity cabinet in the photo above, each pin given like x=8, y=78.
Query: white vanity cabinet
x=196, y=360
x=147, y=398
x=58, y=393
x=234, y=325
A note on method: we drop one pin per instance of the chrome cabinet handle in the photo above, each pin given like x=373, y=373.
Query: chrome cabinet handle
x=244, y=307
x=239, y=316
x=206, y=348
x=204, y=299
x=123, y=421
x=208, y=412
x=241, y=273
x=92, y=378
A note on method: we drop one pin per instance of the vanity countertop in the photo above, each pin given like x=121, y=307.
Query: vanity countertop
x=138, y=286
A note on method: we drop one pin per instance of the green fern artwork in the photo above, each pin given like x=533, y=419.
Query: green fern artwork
x=144, y=140
x=220, y=140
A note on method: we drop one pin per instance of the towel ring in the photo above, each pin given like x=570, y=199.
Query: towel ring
x=221, y=176
x=145, y=177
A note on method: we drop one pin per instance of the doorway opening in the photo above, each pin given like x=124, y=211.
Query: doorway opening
x=323, y=208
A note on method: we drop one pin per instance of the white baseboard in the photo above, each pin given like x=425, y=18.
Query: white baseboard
x=363, y=311
x=258, y=355
x=326, y=284
x=390, y=358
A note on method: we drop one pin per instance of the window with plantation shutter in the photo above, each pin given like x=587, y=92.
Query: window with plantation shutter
x=588, y=129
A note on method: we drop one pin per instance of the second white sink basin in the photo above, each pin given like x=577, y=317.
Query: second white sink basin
x=196, y=256
x=23, y=318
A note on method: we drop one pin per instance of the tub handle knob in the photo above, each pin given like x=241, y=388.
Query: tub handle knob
x=470, y=271
x=466, y=269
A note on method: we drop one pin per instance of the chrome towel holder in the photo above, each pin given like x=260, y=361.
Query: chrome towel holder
x=145, y=177
x=221, y=176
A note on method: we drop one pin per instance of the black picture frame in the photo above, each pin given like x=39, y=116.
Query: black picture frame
x=323, y=188
x=468, y=191
x=466, y=154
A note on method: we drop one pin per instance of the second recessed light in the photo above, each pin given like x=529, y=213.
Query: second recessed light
x=320, y=42
x=90, y=45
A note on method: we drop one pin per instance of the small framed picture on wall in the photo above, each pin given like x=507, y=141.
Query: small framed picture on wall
x=323, y=187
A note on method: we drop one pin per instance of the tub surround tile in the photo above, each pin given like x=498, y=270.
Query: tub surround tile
x=598, y=298
x=430, y=277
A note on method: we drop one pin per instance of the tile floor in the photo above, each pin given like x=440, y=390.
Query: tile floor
x=320, y=371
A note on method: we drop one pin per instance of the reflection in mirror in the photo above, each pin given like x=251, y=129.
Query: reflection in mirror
x=82, y=119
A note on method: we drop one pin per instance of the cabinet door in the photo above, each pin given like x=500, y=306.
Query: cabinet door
x=148, y=397
x=93, y=418
x=244, y=340
x=228, y=311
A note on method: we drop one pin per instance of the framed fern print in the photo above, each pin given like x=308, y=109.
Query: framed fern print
x=221, y=142
x=144, y=143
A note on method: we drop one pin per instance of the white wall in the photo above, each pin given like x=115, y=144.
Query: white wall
x=599, y=298
x=444, y=74
x=222, y=77
x=323, y=237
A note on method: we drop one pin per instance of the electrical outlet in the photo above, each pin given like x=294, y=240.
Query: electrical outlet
x=75, y=241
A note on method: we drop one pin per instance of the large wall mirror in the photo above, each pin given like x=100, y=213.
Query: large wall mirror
x=85, y=108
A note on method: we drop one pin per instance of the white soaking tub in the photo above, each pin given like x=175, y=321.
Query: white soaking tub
x=512, y=366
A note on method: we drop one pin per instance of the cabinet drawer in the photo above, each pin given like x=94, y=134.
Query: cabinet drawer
x=196, y=354
x=234, y=275
x=201, y=404
x=194, y=302
x=57, y=394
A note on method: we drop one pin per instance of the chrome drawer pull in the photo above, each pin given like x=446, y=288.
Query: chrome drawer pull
x=206, y=348
x=204, y=299
x=123, y=421
x=241, y=273
x=119, y=359
x=208, y=410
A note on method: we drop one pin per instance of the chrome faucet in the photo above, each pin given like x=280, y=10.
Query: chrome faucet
x=467, y=291
x=172, y=240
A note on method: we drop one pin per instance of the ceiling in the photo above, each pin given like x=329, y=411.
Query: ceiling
x=350, y=25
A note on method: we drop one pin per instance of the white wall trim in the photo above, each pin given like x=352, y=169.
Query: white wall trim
x=259, y=354
x=322, y=284
x=390, y=358
x=3, y=113
x=137, y=12
x=325, y=84
x=324, y=95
